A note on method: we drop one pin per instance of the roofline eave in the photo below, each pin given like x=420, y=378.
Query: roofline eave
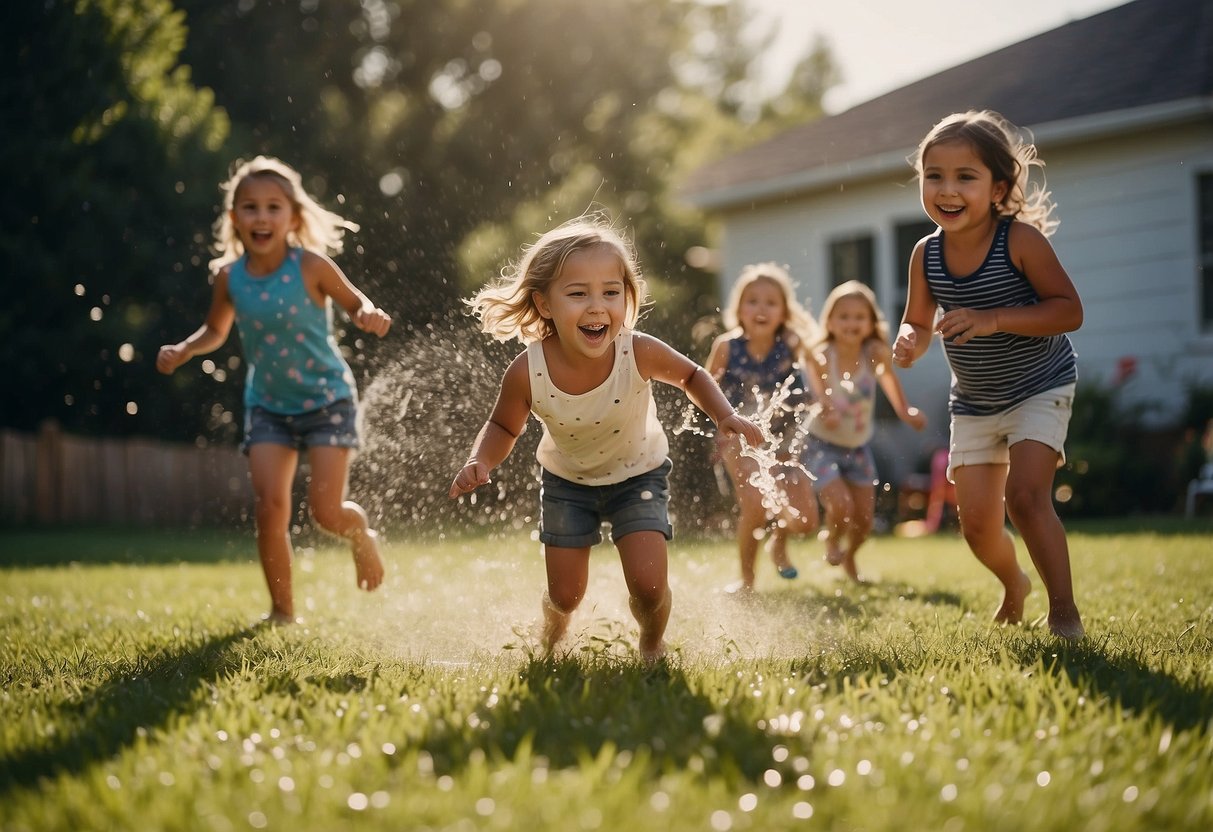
x=1062, y=131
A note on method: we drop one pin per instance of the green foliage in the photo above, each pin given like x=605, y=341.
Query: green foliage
x=113, y=140
x=1115, y=464
x=133, y=703
x=451, y=132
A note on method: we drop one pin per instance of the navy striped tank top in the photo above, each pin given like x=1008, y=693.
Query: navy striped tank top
x=993, y=373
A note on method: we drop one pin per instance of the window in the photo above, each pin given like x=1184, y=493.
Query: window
x=1204, y=265
x=851, y=259
x=907, y=236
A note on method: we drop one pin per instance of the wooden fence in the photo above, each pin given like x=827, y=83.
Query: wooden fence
x=55, y=478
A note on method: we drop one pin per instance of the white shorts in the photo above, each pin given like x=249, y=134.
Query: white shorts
x=987, y=440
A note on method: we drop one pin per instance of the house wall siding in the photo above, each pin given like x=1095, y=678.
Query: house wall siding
x=1128, y=238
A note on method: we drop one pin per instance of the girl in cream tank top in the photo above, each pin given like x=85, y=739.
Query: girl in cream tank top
x=602, y=437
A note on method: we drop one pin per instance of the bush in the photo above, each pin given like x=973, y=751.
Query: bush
x=1115, y=466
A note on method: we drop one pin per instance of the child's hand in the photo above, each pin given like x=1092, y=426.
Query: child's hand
x=473, y=475
x=372, y=319
x=915, y=418
x=737, y=425
x=171, y=357
x=963, y=325
x=905, y=346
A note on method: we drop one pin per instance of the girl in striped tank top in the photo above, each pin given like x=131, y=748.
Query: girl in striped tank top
x=1006, y=304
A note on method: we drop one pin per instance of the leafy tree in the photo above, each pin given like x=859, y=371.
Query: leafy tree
x=451, y=132
x=105, y=141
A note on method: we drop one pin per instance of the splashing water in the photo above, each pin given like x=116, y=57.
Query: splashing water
x=421, y=413
x=770, y=408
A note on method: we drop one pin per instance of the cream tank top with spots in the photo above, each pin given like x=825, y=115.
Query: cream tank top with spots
x=602, y=437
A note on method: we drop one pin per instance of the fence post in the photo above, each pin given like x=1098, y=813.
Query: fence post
x=48, y=483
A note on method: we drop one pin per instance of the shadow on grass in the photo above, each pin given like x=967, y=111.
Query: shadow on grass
x=1126, y=681
x=1163, y=525
x=571, y=709
x=61, y=547
x=852, y=600
x=134, y=700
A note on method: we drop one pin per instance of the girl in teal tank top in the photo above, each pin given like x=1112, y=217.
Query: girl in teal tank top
x=275, y=281
x=294, y=365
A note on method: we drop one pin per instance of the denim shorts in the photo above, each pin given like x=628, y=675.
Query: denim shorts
x=827, y=462
x=571, y=514
x=334, y=425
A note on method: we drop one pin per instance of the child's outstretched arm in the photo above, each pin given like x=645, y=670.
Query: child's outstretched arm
x=208, y=337
x=496, y=439
x=656, y=359
x=882, y=366
x=914, y=336
x=815, y=371
x=334, y=284
x=718, y=358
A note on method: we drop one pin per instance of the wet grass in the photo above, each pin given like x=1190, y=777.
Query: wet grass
x=139, y=691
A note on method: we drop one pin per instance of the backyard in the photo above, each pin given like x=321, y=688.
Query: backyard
x=140, y=691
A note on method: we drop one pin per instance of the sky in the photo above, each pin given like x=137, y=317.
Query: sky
x=881, y=45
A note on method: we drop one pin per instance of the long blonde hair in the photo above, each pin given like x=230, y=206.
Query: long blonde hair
x=505, y=306
x=1010, y=158
x=853, y=289
x=797, y=318
x=319, y=229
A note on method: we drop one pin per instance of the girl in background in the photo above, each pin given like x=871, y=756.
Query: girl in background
x=845, y=364
x=756, y=363
x=273, y=278
x=1006, y=305
x=573, y=300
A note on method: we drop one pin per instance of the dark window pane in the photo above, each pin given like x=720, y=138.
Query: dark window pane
x=851, y=259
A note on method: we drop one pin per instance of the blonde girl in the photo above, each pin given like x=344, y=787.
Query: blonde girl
x=273, y=279
x=574, y=299
x=757, y=363
x=846, y=363
x=1006, y=304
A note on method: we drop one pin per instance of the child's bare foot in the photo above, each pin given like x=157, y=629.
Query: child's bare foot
x=367, y=564
x=1066, y=623
x=739, y=588
x=278, y=618
x=653, y=656
x=834, y=553
x=1011, y=611
x=652, y=626
x=555, y=624
x=848, y=566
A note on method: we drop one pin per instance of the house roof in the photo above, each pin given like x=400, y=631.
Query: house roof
x=1153, y=58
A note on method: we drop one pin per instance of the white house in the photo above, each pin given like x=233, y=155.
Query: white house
x=1120, y=105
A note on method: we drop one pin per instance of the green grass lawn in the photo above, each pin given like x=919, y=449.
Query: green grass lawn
x=140, y=693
